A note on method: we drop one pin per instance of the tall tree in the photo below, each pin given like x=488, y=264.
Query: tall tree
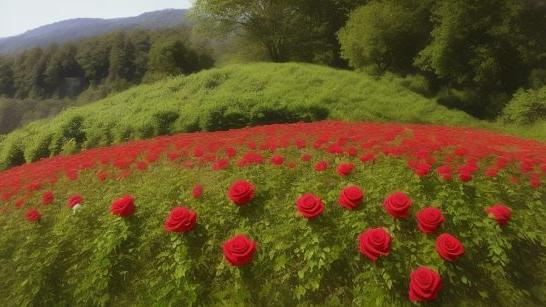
x=93, y=57
x=386, y=35
x=7, y=87
x=286, y=29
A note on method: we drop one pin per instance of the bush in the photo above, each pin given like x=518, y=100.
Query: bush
x=89, y=256
x=39, y=149
x=222, y=117
x=163, y=121
x=526, y=107
x=418, y=84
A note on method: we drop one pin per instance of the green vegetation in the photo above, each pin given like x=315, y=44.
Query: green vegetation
x=231, y=97
x=86, y=256
x=476, y=54
x=527, y=107
x=100, y=65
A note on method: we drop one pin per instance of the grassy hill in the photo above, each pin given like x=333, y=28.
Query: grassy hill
x=224, y=98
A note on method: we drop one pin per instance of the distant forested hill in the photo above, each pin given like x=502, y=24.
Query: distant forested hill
x=73, y=29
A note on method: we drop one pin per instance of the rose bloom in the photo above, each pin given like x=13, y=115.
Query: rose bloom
x=33, y=215
x=449, y=247
x=180, y=219
x=241, y=192
x=75, y=200
x=398, y=205
x=429, y=219
x=197, y=191
x=277, y=160
x=239, y=250
x=345, y=169
x=350, y=197
x=47, y=198
x=321, y=166
x=123, y=207
x=310, y=206
x=424, y=284
x=501, y=213
x=374, y=243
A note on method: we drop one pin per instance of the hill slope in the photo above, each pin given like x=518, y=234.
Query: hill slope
x=73, y=29
x=220, y=99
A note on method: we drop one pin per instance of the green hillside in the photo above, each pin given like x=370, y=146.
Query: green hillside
x=230, y=97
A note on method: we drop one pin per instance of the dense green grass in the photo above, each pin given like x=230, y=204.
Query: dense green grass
x=230, y=97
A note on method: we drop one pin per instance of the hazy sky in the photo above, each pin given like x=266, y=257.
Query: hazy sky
x=18, y=16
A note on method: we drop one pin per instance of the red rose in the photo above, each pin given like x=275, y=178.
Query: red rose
x=33, y=215
x=123, y=207
x=241, y=192
x=368, y=157
x=350, y=197
x=424, y=284
x=306, y=157
x=197, y=191
x=422, y=169
x=345, y=169
x=321, y=166
x=180, y=219
x=445, y=172
x=239, y=250
x=74, y=200
x=47, y=198
x=397, y=205
x=429, y=219
x=501, y=213
x=374, y=242
x=277, y=160
x=310, y=206
x=448, y=247
x=465, y=176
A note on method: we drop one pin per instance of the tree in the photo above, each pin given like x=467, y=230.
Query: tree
x=121, y=59
x=7, y=87
x=170, y=56
x=488, y=47
x=385, y=34
x=62, y=65
x=93, y=57
x=300, y=30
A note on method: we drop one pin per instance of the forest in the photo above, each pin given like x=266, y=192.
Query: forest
x=468, y=55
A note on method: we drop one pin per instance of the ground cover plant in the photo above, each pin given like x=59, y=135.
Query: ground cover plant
x=306, y=213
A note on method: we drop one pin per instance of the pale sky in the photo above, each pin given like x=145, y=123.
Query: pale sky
x=18, y=16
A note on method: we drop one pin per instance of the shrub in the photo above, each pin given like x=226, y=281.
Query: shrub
x=526, y=107
x=222, y=117
x=163, y=121
x=39, y=148
x=418, y=84
x=263, y=233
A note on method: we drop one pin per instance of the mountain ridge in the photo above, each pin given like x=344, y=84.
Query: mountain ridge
x=79, y=28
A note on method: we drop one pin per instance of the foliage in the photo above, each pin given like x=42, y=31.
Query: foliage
x=238, y=96
x=109, y=63
x=385, y=34
x=527, y=107
x=87, y=256
x=288, y=30
x=486, y=47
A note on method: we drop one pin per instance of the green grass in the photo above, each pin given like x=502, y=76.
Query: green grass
x=232, y=97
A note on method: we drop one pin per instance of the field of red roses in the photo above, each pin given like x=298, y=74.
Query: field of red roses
x=328, y=213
